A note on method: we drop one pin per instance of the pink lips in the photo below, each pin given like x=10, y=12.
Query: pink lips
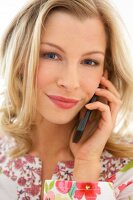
x=62, y=102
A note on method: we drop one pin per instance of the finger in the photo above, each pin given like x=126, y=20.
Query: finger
x=103, y=108
x=106, y=83
x=108, y=95
x=105, y=124
x=113, y=102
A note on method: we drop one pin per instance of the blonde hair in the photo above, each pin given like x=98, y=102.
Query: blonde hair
x=20, y=56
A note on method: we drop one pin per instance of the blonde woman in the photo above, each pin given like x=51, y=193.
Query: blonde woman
x=55, y=57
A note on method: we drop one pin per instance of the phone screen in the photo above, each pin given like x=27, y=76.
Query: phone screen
x=83, y=122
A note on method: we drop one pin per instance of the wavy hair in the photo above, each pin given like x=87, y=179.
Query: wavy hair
x=19, y=58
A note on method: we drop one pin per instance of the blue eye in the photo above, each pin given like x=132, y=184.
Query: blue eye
x=90, y=62
x=50, y=56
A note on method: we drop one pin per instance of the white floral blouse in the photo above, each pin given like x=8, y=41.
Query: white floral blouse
x=20, y=179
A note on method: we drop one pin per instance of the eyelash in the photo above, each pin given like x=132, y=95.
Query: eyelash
x=91, y=62
x=45, y=55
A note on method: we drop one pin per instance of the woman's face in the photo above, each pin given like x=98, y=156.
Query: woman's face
x=71, y=65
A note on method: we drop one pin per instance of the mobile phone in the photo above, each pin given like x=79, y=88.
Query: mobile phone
x=82, y=124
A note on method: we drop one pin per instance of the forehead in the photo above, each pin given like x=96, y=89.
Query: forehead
x=66, y=27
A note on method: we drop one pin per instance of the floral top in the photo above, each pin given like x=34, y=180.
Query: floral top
x=20, y=178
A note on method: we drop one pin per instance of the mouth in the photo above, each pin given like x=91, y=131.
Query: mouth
x=62, y=102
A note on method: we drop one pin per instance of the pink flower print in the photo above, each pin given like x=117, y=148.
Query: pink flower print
x=63, y=186
x=21, y=181
x=123, y=186
x=90, y=190
x=33, y=190
x=69, y=164
x=13, y=177
x=26, y=198
x=29, y=158
x=18, y=164
x=6, y=172
x=49, y=196
x=112, y=178
x=2, y=159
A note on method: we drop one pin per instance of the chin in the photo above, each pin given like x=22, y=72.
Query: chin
x=58, y=117
x=60, y=121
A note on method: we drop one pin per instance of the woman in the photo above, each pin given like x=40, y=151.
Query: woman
x=55, y=57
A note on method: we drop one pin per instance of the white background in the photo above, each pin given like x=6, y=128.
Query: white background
x=8, y=9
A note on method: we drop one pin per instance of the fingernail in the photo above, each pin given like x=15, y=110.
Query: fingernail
x=88, y=106
x=98, y=89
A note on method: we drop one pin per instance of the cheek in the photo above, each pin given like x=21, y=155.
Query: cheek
x=90, y=82
x=44, y=76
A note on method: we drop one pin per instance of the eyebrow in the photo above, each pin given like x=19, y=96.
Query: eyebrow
x=58, y=47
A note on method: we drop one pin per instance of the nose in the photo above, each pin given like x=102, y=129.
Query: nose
x=69, y=78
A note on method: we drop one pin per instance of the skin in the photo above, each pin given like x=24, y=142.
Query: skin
x=73, y=70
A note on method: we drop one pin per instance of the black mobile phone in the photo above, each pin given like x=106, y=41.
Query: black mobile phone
x=82, y=124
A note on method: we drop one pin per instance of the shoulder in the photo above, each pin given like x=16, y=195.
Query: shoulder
x=6, y=144
x=9, y=164
x=111, y=164
x=119, y=171
x=19, y=176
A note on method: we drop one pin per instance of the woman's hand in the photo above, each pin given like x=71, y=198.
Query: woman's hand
x=87, y=153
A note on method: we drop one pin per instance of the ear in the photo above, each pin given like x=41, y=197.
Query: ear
x=105, y=73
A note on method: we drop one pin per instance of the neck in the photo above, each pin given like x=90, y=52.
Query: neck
x=50, y=140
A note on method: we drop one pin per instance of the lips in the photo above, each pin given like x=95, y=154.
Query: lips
x=63, y=102
x=59, y=98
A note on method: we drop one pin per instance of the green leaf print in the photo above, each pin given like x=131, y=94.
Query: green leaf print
x=45, y=187
x=51, y=185
x=72, y=190
x=127, y=166
x=110, y=185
